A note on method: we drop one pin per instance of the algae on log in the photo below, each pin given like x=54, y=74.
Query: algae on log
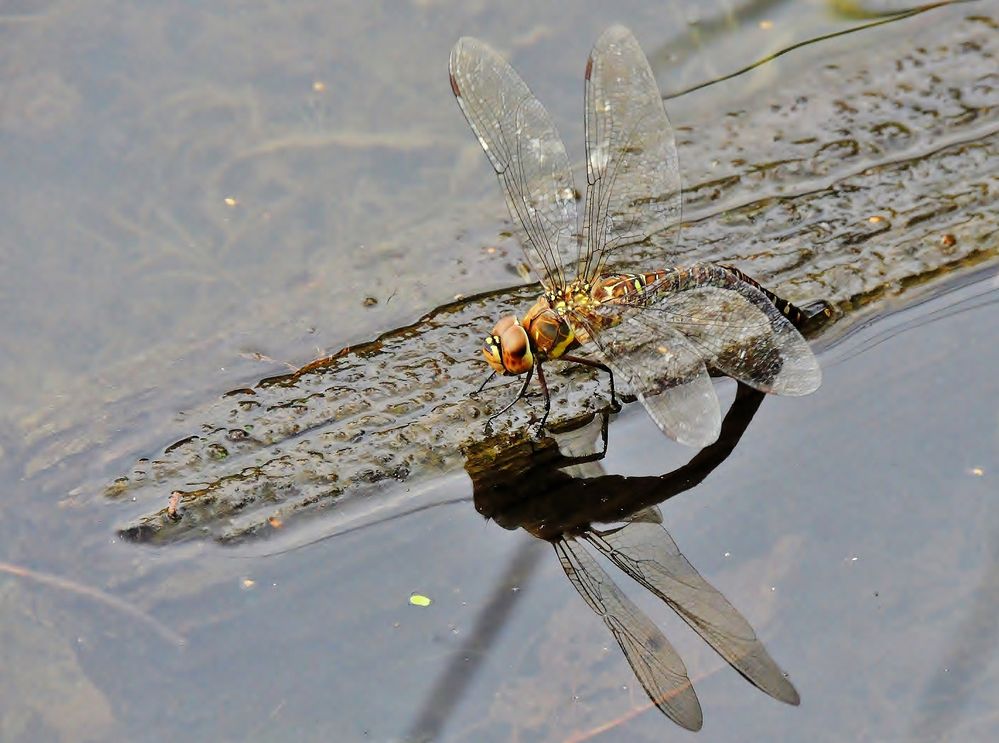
x=852, y=182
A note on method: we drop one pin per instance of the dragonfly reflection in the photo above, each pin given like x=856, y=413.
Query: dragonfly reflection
x=659, y=330
x=544, y=494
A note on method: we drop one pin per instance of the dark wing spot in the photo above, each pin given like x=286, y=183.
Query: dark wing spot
x=454, y=86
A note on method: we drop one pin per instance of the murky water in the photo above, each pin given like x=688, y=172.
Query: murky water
x=193, y=198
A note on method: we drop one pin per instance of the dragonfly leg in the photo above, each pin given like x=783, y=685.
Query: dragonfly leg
x=548, y=397
x=522, y=393
x=483, y=385
x=596, y=365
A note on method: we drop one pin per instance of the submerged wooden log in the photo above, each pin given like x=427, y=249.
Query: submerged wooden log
x=856, y=181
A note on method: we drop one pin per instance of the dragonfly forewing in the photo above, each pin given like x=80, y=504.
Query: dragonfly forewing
x=525, y=150
x=647, y=553
x=632, y=169
x=655, y=662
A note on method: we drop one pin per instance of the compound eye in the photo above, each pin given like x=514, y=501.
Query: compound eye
x=494, y=354
x=516, y=350
x=503, y=324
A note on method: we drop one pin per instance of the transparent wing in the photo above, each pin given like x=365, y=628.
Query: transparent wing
x=650, y=655
x=732, y=326
x=632, y=171
x=662, y=370
x=527, y=153
x=647, y=553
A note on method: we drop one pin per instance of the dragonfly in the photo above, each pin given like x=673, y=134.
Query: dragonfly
x=659, y=330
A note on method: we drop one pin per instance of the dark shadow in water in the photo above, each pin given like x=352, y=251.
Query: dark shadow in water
x=539, y=487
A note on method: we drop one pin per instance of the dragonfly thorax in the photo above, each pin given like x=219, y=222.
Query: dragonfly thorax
x=576, y=296
x=548, y=330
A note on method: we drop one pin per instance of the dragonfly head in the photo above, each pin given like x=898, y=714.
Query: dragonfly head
x=507, y=348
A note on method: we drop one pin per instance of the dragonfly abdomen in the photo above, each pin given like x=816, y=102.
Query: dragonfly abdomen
x=629, y=288
x=638, y=289
x=627, y=285
x=791, y=311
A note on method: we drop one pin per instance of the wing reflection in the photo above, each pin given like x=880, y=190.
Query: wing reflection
x=560, y=495
x=654, y=661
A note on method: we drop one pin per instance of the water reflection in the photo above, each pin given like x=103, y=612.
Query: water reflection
x=557, y=491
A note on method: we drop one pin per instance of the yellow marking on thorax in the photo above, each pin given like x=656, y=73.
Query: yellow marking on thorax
x=562, y=347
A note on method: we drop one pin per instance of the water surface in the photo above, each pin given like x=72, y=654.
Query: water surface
x=193, y=198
